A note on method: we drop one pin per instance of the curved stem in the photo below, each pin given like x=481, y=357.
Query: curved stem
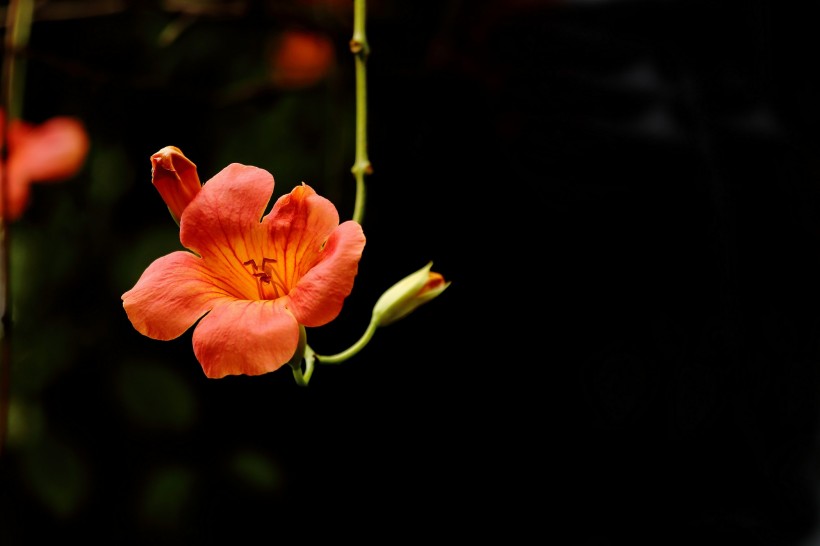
x=352, y=350
x=303, y=377
x=303, y=352
x=360, y=49
x=361, y=167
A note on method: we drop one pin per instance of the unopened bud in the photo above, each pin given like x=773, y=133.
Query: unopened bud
x=405, y=296
x=175, y=176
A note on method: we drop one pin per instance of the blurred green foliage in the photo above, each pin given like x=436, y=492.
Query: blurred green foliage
x=154, y=396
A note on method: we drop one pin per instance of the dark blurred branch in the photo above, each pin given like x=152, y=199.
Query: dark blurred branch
x=77, y=9
x=5, y=314
x=236, y=8
x=18, y=22
x=19, y=17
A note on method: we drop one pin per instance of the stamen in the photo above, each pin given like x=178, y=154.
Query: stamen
x=263, y=275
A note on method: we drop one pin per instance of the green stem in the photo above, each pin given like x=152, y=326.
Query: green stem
x=302, y=352
x=360, y=49
x=361, y=167
x=352, y=350
x=303, y=377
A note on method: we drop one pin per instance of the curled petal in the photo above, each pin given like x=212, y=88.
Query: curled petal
x=176, y=179
x=301, y=213
x=243, y=337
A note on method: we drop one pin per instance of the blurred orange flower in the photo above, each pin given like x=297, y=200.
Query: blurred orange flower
x=50, y=152
x=300, y=59
x=250, y=284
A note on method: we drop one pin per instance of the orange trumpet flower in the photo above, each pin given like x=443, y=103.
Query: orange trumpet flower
x=250, y=284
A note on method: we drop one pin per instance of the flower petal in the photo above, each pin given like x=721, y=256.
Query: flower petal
x=245, y=337
x=221, y=223
x=176, y=179
x=296, y=230
x=303, y=209
x=171, y=295
x=317, y=298
x=225, y=210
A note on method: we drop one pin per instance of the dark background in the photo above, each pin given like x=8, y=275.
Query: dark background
x=623, y=193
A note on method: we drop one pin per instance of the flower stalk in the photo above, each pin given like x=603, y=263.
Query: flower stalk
x=397, y=302
x=361, y=168
x=412, y=291
x=360, y=49
x=352, y=350
x=303, y=352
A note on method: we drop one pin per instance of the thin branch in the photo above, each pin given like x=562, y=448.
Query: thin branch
x=360, y=49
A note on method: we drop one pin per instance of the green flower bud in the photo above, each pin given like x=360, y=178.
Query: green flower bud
x=402, y=298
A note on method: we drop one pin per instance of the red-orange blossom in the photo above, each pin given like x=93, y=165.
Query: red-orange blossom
x=48, y=152
x=249, y=283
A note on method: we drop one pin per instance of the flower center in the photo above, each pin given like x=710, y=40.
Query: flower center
x=268, y=281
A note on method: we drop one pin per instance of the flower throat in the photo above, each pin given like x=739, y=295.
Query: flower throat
x=268, y=281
